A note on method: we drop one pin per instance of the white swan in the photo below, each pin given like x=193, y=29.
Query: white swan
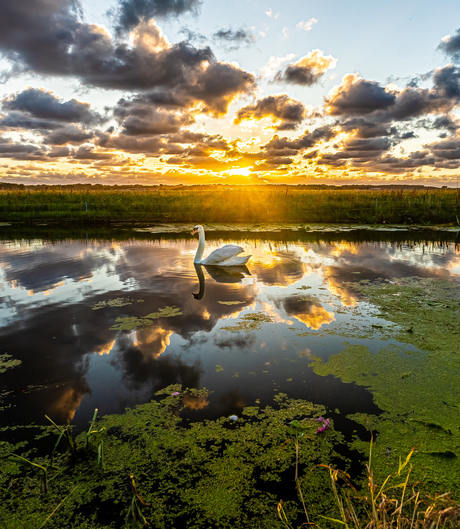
x=228, y=255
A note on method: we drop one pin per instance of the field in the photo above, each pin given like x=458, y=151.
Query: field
x=254, y=204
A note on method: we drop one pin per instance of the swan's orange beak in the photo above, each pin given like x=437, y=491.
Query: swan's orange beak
x=194, y=231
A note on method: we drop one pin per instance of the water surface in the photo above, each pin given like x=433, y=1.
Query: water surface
x=104, y=324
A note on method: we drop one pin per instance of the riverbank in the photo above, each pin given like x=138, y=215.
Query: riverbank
x=220, y=204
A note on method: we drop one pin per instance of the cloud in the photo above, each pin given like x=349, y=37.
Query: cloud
x=308, y=70
x=308, y=25
x=271, y=14
x=450, y=45
x=278, y=146
x=131, y=12
x=357, y=97
x=71, y=133
x=235, y=38
x=46, y=37
x=288, y=112
x=44, y=105
x=139, y=117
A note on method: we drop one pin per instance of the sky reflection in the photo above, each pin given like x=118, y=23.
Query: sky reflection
x=60, y=304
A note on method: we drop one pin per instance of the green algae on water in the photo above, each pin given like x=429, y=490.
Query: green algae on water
x=413, y=381
x=8, y=362
x=250, y=322
x=215, y=474
x=130, y=323
x=116, y=302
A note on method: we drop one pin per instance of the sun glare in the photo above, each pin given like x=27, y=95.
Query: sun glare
x=240, y=171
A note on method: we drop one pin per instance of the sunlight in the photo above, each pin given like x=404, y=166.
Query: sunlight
x=240, y=171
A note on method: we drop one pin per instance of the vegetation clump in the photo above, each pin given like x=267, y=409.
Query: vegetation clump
x=414, y=379
x=160, y=471
x=129, y=323
x=250, y=322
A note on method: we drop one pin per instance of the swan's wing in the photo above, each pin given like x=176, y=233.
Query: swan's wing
x=236, y=260
x=222, y=254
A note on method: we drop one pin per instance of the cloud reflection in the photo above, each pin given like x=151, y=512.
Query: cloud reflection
x=57, y=334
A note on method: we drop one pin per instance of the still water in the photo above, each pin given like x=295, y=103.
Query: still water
x=105, y=324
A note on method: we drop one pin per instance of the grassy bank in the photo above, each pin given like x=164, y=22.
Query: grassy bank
x=236, y=204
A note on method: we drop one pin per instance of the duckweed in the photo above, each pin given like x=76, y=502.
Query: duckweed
x=250, y=322
x=129, y=323
x=415, y=381
x=213, y=474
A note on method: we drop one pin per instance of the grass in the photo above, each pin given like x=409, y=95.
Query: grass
x=207, y=204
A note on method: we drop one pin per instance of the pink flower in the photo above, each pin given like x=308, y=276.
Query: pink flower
x=175, y=393
x=325, y=425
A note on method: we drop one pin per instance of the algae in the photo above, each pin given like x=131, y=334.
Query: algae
x=8, y=362
x=116, y=302
x=250, y=322
x=129, y=323
x=167, y=473
x=413, y=382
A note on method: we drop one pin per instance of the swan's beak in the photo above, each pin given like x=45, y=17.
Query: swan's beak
x=194, y=231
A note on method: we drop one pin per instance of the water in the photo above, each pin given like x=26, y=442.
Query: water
x=62, y=300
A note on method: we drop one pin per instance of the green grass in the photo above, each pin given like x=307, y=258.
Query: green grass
x=231, y=204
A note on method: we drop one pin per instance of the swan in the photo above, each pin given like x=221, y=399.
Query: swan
x=228, y=255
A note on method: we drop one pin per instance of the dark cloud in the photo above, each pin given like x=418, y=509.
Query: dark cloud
x=86, y=152
x=234, y=38
x=69, y=134
x=44, y=105
x=308, y=70
x=446, y=82
x=139, y=117
x=290, y=112
x=281, y=146
x=358, y=97
x=448, y=149
x=20, y=151
x=444, y=122
x=365, y=127
x=131, y=12
x=46, y=37
x=450, y=45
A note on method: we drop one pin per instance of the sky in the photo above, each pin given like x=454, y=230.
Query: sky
x=238, y=92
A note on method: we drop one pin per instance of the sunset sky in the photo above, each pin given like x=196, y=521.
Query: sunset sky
x=231, y=92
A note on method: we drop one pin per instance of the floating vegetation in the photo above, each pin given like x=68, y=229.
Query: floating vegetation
x=250, y=322
x=231, y=302
x=224, y=473
x=219, y=368
x=116, y=302
x=8, y=362
x=413, y=381
x=129, y=323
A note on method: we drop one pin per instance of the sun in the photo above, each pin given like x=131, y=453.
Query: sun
x=240, y=171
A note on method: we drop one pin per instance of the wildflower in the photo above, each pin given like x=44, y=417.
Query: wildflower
x=320, y=419
x=325, y=425
x=233, y=417
x=175, y=393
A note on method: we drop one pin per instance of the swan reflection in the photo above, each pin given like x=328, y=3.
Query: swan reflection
x=227, y=274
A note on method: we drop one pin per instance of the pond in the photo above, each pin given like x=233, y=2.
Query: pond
x=106, y=322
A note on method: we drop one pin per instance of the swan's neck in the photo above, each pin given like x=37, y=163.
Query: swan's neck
x=200, y=249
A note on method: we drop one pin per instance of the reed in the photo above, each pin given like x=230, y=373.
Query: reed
x=253, y=204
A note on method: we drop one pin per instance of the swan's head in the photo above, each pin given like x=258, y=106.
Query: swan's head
x=197, y=229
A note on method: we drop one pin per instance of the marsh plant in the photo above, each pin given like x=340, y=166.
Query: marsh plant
x=261, y=203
